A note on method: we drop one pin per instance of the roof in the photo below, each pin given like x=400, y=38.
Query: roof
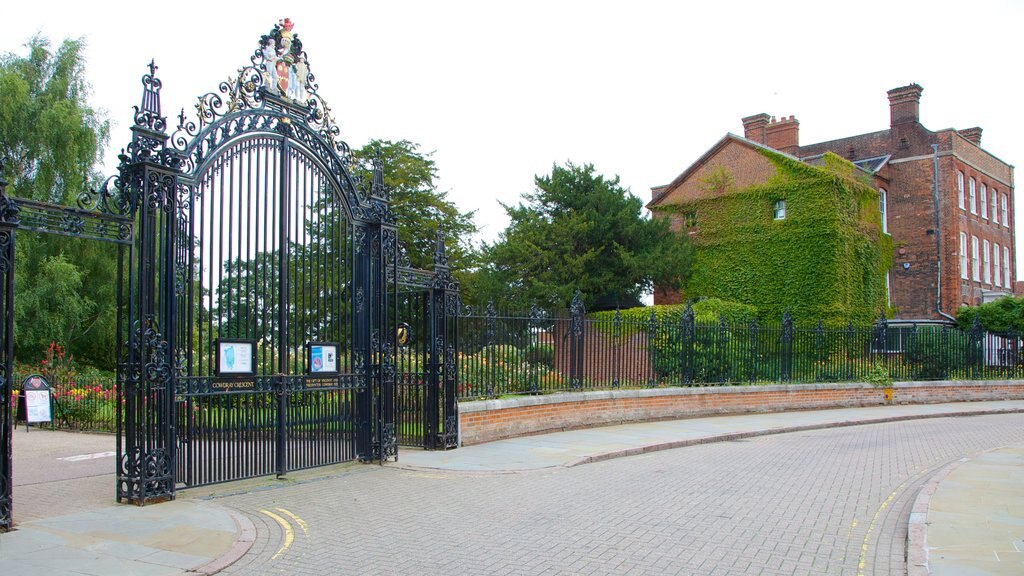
x=868, y=165
x=661, y=191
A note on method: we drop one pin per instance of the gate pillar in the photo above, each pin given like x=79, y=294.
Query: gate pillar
x=442, y=417
x=8, y=222
x=149, y=175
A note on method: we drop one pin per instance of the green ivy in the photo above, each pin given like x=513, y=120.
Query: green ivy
x=826, y=260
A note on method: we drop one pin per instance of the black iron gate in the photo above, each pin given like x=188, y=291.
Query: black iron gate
x=426, y=358
x=262, y=294
x=267, y=258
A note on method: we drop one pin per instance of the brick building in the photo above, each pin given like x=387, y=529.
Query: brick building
x=947, y=203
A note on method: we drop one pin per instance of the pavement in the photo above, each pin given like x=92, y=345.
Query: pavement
x=968, y=519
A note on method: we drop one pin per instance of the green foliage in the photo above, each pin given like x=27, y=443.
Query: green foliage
x=878, y=376
x=541, y=355
x=707, y=359
x=826, y=260
x=580, y=230
x=420, y=208
x=705, y=311
x=51, y=140
x=1002, y=315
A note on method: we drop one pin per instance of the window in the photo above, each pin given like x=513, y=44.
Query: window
x=963, y=255
x=975, y=260
x=988, y=264
x=960, y=188
x=995, y=206
x=984, y=201
x=883, y=209
x=971, y=195
x=780, y=209
x=1006, y=267
x=1006, y=219
x=997, y=270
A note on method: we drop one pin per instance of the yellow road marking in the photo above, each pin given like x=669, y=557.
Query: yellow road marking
x=289, y=535
x=299, y=521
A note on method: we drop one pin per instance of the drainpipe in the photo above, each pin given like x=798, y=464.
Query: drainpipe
x=938, y=236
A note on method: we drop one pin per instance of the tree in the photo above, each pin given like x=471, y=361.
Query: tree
x=420, y=208
x=580, y=230
x=51, y=140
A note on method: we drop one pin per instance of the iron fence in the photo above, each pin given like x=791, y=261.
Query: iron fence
x=537, y=352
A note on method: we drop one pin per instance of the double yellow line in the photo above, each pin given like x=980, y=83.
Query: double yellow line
x=289, y=533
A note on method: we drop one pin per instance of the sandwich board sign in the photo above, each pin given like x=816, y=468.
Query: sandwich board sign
x=37, y=399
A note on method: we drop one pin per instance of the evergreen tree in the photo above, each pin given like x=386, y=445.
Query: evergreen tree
x=580, y=230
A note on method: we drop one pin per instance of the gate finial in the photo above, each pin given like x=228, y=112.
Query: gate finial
x=147, y=115
x=440, y=253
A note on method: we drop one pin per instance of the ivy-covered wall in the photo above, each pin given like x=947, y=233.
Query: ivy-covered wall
x=827, y=259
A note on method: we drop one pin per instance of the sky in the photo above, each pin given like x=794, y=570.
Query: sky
x=500, y=92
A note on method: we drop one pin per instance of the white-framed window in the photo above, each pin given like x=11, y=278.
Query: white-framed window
x=1006, y=218
x=780, y=210
x=1006, y=267
x=988, y=264
x=883, y=209
x=975, y=259
x=997, y=269
x=995, y=206
x=971, y=195
x=960, y=189
x=984, y=201
x=963, y=255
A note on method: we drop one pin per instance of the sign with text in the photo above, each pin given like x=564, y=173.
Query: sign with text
x=323, y=358
x=236, y=357
x=37, y=399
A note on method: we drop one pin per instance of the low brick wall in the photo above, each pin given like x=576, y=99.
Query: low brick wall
x=488, y=420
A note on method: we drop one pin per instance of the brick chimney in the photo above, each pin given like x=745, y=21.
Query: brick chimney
x=783, y=135
x=904, y=103
x=754, y=127
x=972, y=134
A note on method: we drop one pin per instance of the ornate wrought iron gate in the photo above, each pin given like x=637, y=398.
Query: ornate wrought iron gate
x=260, y=292
x=265, y=346
x=427, y=410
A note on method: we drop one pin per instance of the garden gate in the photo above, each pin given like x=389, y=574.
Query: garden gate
x=426, y=337
x=262, y=296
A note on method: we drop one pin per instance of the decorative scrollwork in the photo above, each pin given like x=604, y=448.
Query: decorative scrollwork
x=148, y=114
x=277, y=77
x=8, y=210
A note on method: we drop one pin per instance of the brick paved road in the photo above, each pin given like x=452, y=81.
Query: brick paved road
x=821, y=502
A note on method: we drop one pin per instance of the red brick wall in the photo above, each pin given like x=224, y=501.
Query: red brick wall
x=485, y=421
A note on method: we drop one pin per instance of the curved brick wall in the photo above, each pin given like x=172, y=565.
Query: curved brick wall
x=487, y=420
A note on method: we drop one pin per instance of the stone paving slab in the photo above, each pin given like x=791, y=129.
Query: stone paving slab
x=975, y=517
x=159, y=539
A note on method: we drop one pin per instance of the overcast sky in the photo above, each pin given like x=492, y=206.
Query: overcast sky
x=501, y=91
